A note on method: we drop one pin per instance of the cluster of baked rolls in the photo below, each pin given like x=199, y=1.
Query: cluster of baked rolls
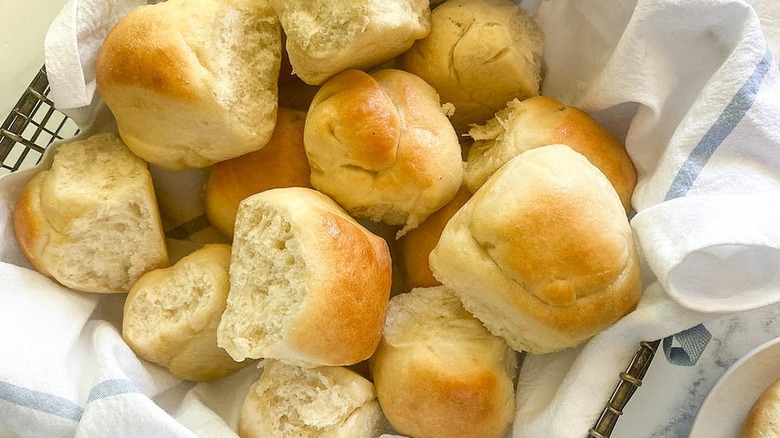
x=353, y=149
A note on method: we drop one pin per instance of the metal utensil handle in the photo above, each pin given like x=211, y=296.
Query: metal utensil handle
x=630, y=381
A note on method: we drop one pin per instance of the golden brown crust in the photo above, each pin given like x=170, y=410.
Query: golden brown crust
x=423, y=399
x=547, y=265
x=353, y=303
x=91, y=221
x=417, y=244
x=29, y=224
x=281, y=163
x=541, y=121
x=128, y=57
x=192, y=82
x=309, y=284
x=439, y=373
x=362, y=118
x=381, y=146
x=763, y=419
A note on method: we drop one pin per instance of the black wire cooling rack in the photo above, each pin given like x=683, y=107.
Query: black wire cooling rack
x=31, y=127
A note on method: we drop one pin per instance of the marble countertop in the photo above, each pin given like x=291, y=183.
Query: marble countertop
x=670, y=397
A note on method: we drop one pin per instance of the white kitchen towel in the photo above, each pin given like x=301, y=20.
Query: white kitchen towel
x=70, y=50
x=693, y=88
x=689, y=85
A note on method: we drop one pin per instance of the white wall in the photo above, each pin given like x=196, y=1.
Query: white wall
x=23, y=25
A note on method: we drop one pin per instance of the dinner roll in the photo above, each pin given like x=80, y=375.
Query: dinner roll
x=542, y=121
x=325, y=37
x=542, y=253
x=171, y=315
x=308, y=284
x=479, y=55
x=192, y=82
x=417, y=244
x=325, y=402
x=763, y=419
x=91, y=222
x=381, y=146
x=281, y=163
x=439, y=373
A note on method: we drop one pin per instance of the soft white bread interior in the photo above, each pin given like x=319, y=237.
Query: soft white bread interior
x=324, y=402
x=479, y=55
x=91, y=222
x=193, y=82
x=543, y=253
x=381, y=146
x=541, y=121
x=439, y=372
x=171, y=315
x=325, y=37
x=763, y=419
x=281, y=163
x=308, y=284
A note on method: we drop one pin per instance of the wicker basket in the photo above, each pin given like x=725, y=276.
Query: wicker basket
x=34, y=124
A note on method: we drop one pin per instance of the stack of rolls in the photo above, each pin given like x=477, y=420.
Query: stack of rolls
x=405, y=151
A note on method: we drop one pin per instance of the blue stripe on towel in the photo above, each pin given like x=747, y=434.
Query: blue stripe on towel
x=726, y=122
x=61, y=407
x=694, y=340
x=40, y=401
x=109, y=388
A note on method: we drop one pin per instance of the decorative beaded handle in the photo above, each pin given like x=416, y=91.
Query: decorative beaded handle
x=630, y=381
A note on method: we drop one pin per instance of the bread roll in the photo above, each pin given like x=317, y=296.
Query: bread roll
x=381, y=146
x=325, y=402
x=542, y=253
x=542, y=121
x=308, y=284
x=325, y=37
x=417, y=244
x=281, y=163
x=192, y=82
x=91, y=222
x=479, y=55
x=439, y=373
x=171, y=315
x=763, y=419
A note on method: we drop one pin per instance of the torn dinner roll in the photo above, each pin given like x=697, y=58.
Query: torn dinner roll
x=308, y=284
x=541, y=121
x=323, y=402
x=192, y=82
x=543, y=253
x=91, y=221
x=325, y=37
x=381, y=146
x=171, y=315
